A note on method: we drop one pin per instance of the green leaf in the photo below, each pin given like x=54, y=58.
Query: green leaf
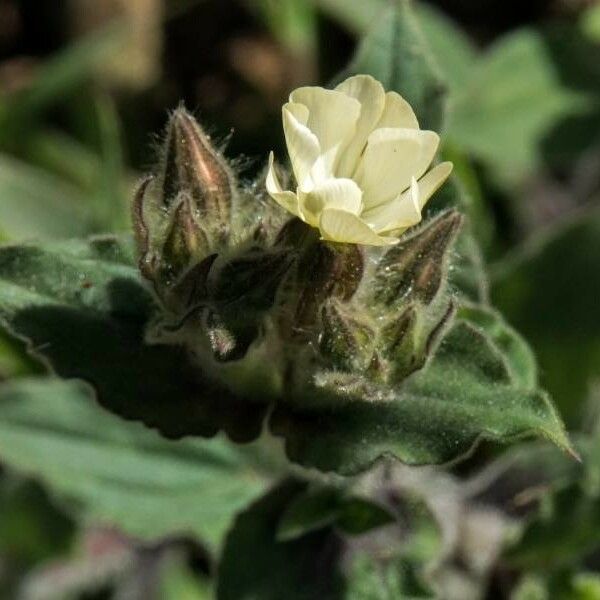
x=395, y=52
x=450, y=46
x=530, y=99
x=98, y=177
x=32, y=528
x=465, y=394
x=531, y=588
x=14, y=360
x=36, y=204
x=83, y=309
x=590, y=22
x=563, y=585
x=360, y=515
x=255, y=565
x=112, y=202
x=395, y=578
x=472, y=199
x=547, y=289
x=529, y=471
x=309, y=511
x=178, y=582
x=518, y=355
x=511, y=102
x=325, y=506
x=121, y=473
x=59, y=153
x=586, y=586
x=467, y=275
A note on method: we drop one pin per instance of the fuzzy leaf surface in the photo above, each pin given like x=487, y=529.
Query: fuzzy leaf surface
x=465, y=394
x=83, y=308
x=453, y=50
x=120, y=473
x=519, y=357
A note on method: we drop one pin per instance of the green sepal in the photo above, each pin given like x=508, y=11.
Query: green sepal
x=324, y=270
x=251, y=279
x=186, y=240
x=414, y=270
x=345, y=341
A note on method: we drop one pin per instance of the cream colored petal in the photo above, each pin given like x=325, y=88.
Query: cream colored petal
x=286, y=199
x=302, y=144
x=332, y=117
x=371, y=95
x=397, y=113
x=432, y=181
x=402, y=212
x=341, y=226
x=405, y=211
x=299, y=111
x=392, y=157
x=333, y=193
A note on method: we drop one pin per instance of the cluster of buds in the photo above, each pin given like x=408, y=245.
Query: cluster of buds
x=264, y=305
x=402, y=310
x=371, y=316
x=204, y=250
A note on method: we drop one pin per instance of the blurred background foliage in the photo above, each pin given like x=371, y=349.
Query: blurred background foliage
x=84, y=83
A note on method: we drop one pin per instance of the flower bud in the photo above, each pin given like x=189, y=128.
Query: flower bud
x=181, y=215
x=234, y=296
x=326, y=270
x=399, y=342
x=186, y=240
x=192, y=287
x=345, y=341
x=253, y=278
x=414, y=269
x=149, y=259
x=407, y=340
x=295, y=234
x=193, y=166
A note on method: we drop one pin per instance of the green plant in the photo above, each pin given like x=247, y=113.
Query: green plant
x=293, y=401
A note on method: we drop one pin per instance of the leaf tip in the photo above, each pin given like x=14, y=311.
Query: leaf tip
x=573, y=454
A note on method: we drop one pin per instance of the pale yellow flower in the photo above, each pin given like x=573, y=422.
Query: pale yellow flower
x=360, y=161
